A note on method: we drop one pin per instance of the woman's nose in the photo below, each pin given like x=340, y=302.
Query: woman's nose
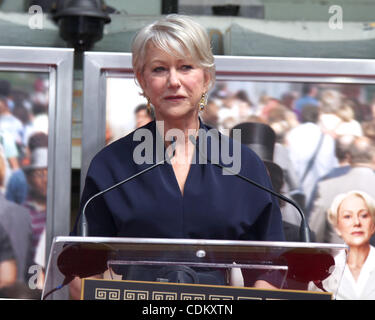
x=356, y=220
x=174, y=80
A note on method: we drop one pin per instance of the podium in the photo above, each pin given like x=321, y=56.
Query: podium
x=191, y=268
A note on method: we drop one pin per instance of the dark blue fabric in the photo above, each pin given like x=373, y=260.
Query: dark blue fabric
x=214, y=206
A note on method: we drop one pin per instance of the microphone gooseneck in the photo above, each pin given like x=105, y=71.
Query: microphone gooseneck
x=304, y=227
x=84, y=223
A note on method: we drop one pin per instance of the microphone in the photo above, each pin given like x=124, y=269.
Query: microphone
x=304, y=227
x=84, y=223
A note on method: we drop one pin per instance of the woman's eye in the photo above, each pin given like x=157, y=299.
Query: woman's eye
x=187, y=67
x=158, y=69
x=365, y=215
x=347, y=216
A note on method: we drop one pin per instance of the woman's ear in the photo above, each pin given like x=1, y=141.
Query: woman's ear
x=140, y=79
x=207, y=80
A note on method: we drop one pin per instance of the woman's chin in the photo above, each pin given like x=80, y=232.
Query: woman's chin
x=174, y=114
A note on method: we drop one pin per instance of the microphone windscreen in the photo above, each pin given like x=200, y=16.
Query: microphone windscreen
x=83, y=261
x=316, y=265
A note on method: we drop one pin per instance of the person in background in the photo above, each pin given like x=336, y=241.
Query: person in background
x=20, y=290
x=210, y=114
x=368, y=128
x=5, y=93
x=8, y=122
x=342, y=151
x=361, y=176
x=109, y=137
x=311, y=151
x=354, y=93
x=36, y=202
x=40, y=94
x=282, y=120
x=40, y=259
x=309, y=97
x=16, y=220
x=352, y=215
x=330, y=102
x=348, y=125
x=288, y=99
x=17, y=186
x=244, y=105
x=143, y=115
x=39, y=122
x=270, y=104
x=8, y=265
x=9, y=150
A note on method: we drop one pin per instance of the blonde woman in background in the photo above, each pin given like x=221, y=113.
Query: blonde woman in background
x=330, y=102
x=352, y=215
x=348, y=125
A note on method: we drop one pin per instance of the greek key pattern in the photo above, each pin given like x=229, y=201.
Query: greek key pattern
x=192, y=296
x=135, y=295
x=107, y=294
x=157, y=295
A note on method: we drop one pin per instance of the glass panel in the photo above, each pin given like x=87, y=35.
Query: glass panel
x=297, y=266
x=24, y=102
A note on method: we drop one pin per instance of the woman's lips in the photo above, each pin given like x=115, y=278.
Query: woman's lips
x=357, y=233
x=174, y=98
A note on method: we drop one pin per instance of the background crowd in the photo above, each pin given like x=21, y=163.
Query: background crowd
x=323, y=133
x=23, y=181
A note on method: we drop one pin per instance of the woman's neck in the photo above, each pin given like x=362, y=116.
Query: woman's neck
x=181, y=132
x=180, y=129
x=357, y=257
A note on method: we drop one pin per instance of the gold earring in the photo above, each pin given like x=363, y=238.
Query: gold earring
x=149, y=108
x=202, y=102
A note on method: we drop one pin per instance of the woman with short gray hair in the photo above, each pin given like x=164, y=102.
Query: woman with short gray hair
x=352, y=215
x=183, y=197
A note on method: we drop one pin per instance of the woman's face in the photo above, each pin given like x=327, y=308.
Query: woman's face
x=354, y=222
x=173, y=84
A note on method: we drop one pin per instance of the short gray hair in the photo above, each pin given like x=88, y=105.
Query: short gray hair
x=333, y=211
x=175, y=34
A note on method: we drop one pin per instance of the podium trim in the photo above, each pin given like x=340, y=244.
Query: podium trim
x=166, y=284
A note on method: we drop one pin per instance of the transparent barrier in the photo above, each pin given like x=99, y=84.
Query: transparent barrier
x=312, y=267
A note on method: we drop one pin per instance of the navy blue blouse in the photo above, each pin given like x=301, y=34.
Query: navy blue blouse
x=213, y=205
